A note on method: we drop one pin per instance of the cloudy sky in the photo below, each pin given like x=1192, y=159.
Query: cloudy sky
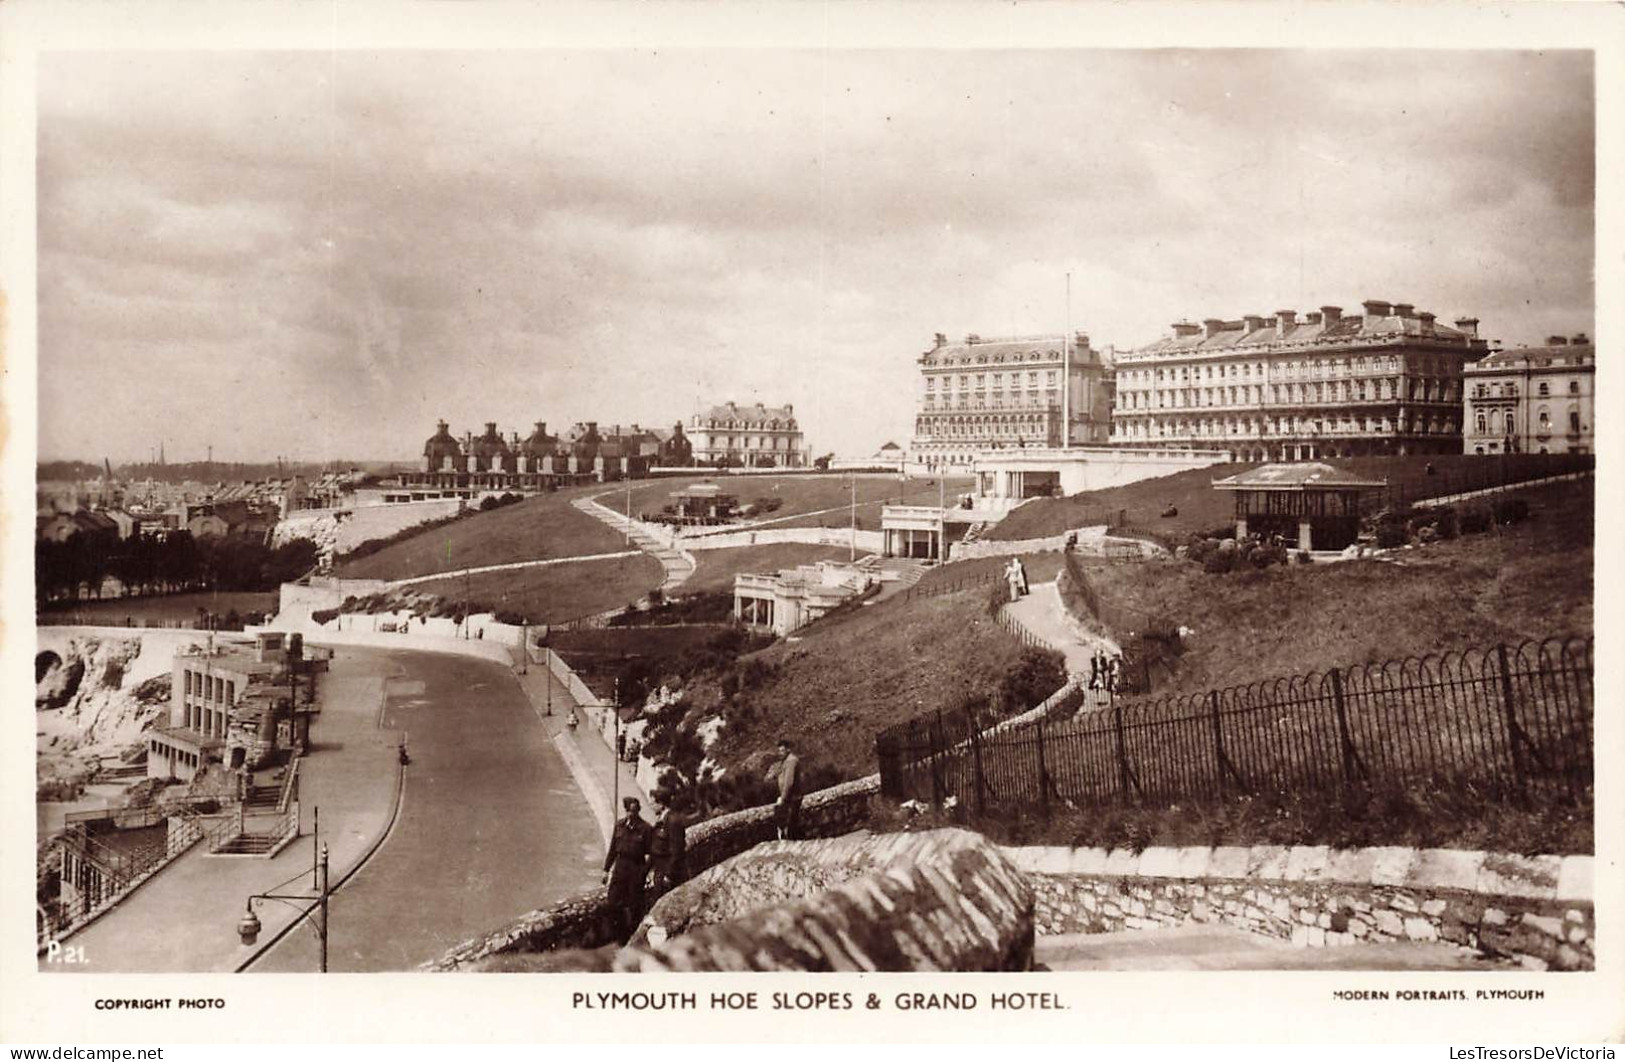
x=317, y=254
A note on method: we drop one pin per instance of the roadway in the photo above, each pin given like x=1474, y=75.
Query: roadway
x=491, y=825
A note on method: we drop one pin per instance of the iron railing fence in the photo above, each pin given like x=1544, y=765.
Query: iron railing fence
x=1515, y=722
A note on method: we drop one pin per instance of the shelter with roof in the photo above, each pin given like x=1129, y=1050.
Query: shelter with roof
x=1274, y=388
x=787, y=600
x=749, y=436
x=1309, y=504
x=1007, y=393
x=1533, y=399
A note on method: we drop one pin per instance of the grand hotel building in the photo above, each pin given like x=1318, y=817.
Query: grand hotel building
x=1006, y=393
x=1388, y=381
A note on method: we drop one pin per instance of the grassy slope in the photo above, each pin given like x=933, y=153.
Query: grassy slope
x=538, y=528
x=1532, y=580
x=874, y=667
x=1202, y=508
x=799, y=495
x=717, y=567
x=557, y=592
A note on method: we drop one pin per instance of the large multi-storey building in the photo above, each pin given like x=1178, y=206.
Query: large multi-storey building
x=541, y=460
x=754, y=436
x=986, y=394
x=1279, y=389
x=1533, y=399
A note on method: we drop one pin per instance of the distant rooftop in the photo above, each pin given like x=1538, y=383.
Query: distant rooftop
x=1310, y=475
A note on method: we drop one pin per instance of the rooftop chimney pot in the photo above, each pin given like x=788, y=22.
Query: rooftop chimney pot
x=1212, y=326
x=1331, y=314
x=1376, y=308
x=1404, y=309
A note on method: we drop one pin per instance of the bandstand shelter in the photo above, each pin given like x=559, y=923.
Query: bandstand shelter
x=1310, y=503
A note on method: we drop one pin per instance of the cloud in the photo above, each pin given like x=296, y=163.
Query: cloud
x=334, y=249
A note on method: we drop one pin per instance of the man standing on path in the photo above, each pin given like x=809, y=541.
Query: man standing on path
x=787, y=810
x=625, y=865
x=668, y=853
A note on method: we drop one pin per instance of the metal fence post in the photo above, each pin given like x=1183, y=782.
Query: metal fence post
x=1043, y=774
x=976, y=756
x=1351, y=759
x=936, y=761
x=1122, y=751
x=1515, y=734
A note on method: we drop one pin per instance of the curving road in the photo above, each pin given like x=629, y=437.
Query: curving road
x=491, y=825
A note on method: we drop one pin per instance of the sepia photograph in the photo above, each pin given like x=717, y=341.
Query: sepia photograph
x=566, y=507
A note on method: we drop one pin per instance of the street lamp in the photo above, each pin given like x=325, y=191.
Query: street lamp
x=248, y=927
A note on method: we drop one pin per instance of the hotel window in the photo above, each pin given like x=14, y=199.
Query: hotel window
x=1545, y=419
x=1574, y=422
x=1510, y=423
x=1545, y=390
x=1483, y=429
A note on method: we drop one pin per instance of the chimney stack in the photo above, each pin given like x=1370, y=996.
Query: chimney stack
x=1468, y=326
x=1253, y=322
x=1284, y=322
x=1557, y=341
x=1185, y=328
x=1404, y=309
x=1427, y=322
x=1376, y=308
x=1212, y=326
x=972, y=337
x=942, y=340
x=1331, y=315
x=541, y=428
x=490, y=428
x=1580, y=339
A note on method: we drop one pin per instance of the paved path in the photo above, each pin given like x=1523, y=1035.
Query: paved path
x=678, y=563
x=590, y=759
x=1226, y=948
x=1042, y=615
x=185, y=917
x=512, y=566
x=491, y=826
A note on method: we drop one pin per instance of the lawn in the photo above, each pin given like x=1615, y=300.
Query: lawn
x=1201, y=508
x=1530, y=580
x=807, y=500
x=166, y=607
x=717, y=567
x=843, y=679
x=538, y=528
x=557, y=592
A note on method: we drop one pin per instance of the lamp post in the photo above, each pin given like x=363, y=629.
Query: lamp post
x=248, y=927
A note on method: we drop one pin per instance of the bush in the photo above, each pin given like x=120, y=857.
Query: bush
x=1391, y=533
x=323, y=616
x=1219, y=561
x=1511, y=510
x=1304, y=557
x=1446, y=523
x=1475, y=521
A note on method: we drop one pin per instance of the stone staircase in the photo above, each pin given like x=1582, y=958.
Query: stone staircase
x=677, y=564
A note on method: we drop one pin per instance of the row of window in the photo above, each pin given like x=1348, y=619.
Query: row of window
x=1318, y=368
x=753, y=425
x=747, y=442
x=1000, y=359
x=1510, y=390
x=1415, y=390
x=1543, y=422
x=210, y=688
x=1282, y=426
x=998, y=380
x=1033, y=400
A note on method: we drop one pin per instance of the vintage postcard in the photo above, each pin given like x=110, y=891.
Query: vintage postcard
x=977, y=503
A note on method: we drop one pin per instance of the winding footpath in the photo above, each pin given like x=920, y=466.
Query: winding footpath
x=677, y=562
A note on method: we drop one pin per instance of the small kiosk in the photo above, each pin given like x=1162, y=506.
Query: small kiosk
x=1313, y=504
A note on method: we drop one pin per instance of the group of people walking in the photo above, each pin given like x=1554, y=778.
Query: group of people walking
x=645, y=861
x=1105, y=672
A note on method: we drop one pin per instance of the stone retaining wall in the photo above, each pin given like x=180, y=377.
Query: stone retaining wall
x=583, y=922
x=942, y=900
x=1536, y=910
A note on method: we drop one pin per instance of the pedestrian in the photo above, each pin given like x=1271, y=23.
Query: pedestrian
x=668, y=853
x=787, y=809
x=620, y=746
x=1094, y=671
x=1021, y=575
x=625, y=865
x=573, y=721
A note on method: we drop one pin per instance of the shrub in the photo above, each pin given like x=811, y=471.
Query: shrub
x=323, y=616
x=1446, y=522
x=1219, y=561
x=1511, y=510
x=1304, y=557
x=1391, y=533
x=1475, y=521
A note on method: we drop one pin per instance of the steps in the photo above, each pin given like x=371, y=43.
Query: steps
x=263, y=798
x=249, y=844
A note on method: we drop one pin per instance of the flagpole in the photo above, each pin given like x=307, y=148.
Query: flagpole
x=1066, y=369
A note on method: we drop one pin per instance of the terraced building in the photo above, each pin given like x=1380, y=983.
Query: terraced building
x=1388, y=381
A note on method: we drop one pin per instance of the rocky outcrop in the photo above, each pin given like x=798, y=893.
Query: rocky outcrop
x=943, y=900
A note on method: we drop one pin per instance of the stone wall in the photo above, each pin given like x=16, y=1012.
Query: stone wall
x=582, y=921
x=942, y=900
x=1536, y=910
